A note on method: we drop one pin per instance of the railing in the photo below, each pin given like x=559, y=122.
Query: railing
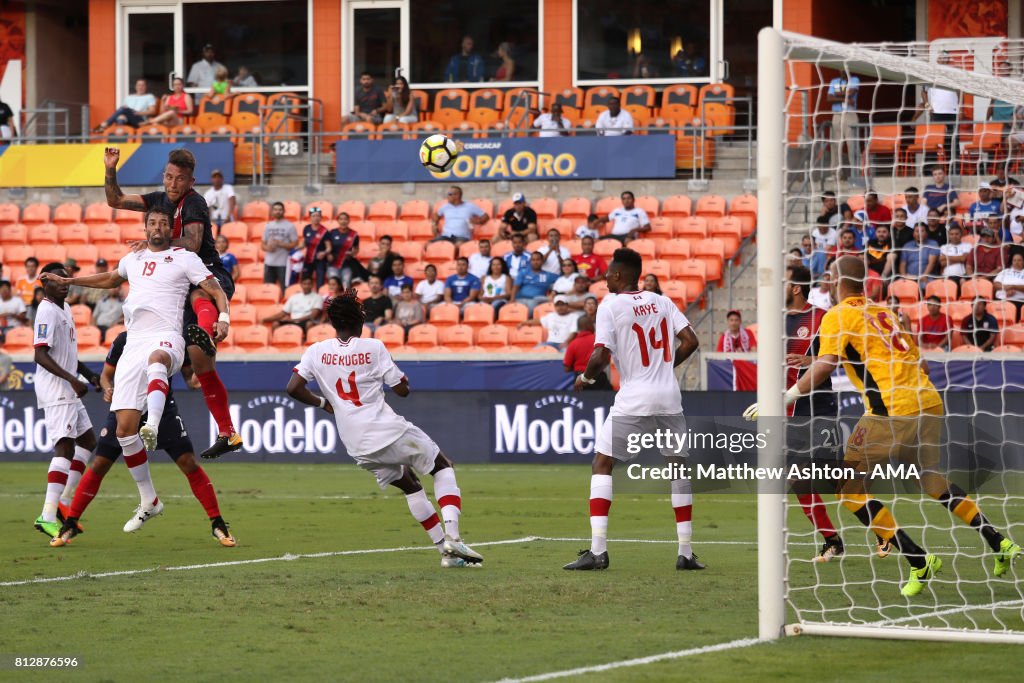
x=51, y=122
x=746, y=129
x=313, y=108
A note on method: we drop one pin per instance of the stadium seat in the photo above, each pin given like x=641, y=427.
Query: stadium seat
x=456, y=337
x=392, y=335
x=710, y=206
x=492, y=337
x=695, y=275
x=244, y=315
x=415, y=210
x=119, y=134
x=526, y=338
x=658, y=268
x=976, y=287
x=907, y=291
x=730, y=231
x=367, y=231
x=68, y=212
x=484, y=118
x=676, y=291
x=81, y=314
x=126, y=217
x=677, y=206
x=712, y=252
x=10, y=213
x=33, y=214
x=605, y=205
x=605, y=248
x=237, y=232
x=326, y=210
x=15, y=255
x=19, y=340
x=597, y=98
x=291, y=290
x=105, y=233
x=89, y=339
x=1013, y=334
x=674, y=249
x=112, y=333
x=423, y=336
x=486, y=98
x=76, y=233
x=1007, y=348
x=443, y=315
x=241, y=294
x=744, y=207
x=546, y=208
x=512, y=314
x=944, y=289
x=262, y=293
x=319, y=333
x=253, y=339
x=681, y=94
x=256, y=211
x=252, y=274
x=153, y=133
x=438, y=252
x=929, y=138
x=884, y=140
x=412, y=252
x=957, y=311
x=576, y=209
x=355, y=209
x=715, y=92
x=541, y=310
x=188, y=134
x=478, y=315
x=645, y=247
x=286, y=336
x=14, y=234
x=45, y=233
x=692, y=228
x=967, y=348
x=599, y=289
x=49, y=253
x=383, y=210
x=571, y=98
x=565, y=227
x=247, y=253
x=520, y=98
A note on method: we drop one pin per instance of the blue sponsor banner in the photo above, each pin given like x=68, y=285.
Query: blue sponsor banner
x=567, y=158
x=146, y=165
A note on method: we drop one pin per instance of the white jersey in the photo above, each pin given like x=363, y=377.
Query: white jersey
x=351, y=374
x=640, y=328
x=55, y=328
x=159, y=283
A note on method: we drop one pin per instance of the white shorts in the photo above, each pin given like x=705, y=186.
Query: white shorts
x=412, y=449
x=66, y=420
x=617, y=445
x=131, y=380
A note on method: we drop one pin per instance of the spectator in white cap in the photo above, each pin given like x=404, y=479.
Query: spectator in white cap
x=519, y=220
x=221, y=200
x=987, y=205
x=560, y=324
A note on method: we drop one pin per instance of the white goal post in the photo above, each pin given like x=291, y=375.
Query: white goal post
x=858, y=594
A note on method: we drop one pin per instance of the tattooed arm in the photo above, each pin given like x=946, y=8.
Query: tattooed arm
x=191, y=237
x=115, y=197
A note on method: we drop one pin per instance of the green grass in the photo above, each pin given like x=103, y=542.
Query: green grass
x=398, y=616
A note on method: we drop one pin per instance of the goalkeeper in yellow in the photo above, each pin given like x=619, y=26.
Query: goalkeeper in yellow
x=903, y=418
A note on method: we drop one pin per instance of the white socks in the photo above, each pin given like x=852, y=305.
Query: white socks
x=600, y=504
x=682, y=505
x=156, y=394
x=78, y=466
x=56, y=480
x=449, y=499
x=423, y=512
x=138, y=466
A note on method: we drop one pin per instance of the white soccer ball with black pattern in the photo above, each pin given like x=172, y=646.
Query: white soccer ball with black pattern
x=438, y=153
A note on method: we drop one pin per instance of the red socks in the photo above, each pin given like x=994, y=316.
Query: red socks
x=814, y=508
x=206, y=314
x=216, y=396
x=86, y=491
x=202, y=489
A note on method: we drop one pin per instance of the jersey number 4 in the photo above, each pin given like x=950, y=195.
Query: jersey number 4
x=351, y=394
x=657, y=344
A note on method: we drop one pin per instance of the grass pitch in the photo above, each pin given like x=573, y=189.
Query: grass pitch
x=396, y=615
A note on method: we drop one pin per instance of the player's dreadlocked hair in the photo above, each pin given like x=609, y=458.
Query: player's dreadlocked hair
x=345, y=312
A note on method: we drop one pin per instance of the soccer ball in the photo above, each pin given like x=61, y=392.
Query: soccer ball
x=438, y=153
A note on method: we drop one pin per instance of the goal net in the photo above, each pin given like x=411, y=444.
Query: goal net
x=857, y=144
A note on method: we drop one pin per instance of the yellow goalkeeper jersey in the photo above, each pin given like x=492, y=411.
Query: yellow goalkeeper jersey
x=880, y=359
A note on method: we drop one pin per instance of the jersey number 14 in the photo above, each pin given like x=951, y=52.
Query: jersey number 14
x=657, y=344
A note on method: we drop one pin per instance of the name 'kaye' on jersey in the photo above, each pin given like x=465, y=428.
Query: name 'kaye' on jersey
x=645, y=309
x=346, y=359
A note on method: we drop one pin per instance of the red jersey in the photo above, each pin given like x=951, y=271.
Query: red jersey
x=592, y=266
x=934, y=331
x=577, y=354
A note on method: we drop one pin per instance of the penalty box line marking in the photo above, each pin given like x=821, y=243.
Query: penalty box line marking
x=288, y=557
x=639, y=661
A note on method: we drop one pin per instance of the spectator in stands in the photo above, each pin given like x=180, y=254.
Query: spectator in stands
x=401, y=106
x=842, y=94
x=37, y=298
x=381, y=264
x=568, y=275
x=614, y=120
x=651, y=283
x=553, y=124
x=628, y=221
x=507, y=68
x=894, y=305
x=377, y=306
x=943, y=107
x=459, y=218
x=736, y=338
x=987, y=205
x=370, y=102
x=87, y=296
x=393, y=285
x=919, y=259
x=463, y=287
x=175, y=107
x=980, y=328
x=244, y=79
x=881, y=262
x=830, y=208
x=25, y=285
x=6, y=368
x=955, y=256
x=520, y=219
x=109, y=311
x=466, y=66
x=560, y=324
x=135, y=109
x=901, y=232
x=935, y=228
x=579, y=294
x=806, y=250
x=8, y=131
x=12, y=309
x=1014, y=230
x=877, y=212
x=916, y=211
x=847, y=245
x=820, y=296
x=588, y=263
x=989, y=257
x=203, y=72
x=279, y=238
x=221, y=200
x=497, y=285
x=795, y=257
x=590, y=307
x=593, y=227
x=430, y=290
x=408, y=311
x=480, y=262
x=939, y=195
x=334, y=287
x=303, y=308
x=221, y=87
x=317, y=246
x=554, y=253
x=1009, y=284
x=826, y=238
x=1001, y=182
x=227, y=259
x=518, y=259
x=344, y=263
x=533, y=285
x=578, y=351
x=934, y=327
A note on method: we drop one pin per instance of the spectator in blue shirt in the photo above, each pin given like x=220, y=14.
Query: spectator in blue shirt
x=459, y=218
x=939, y=195
x=532, y=286
x=229, y=260
x=393, y=285
x=466, y=66
x=919, y=259
x=518, y=259
x=463, y=287
x=987, y=205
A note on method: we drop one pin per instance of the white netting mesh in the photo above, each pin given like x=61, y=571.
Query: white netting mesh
x=879, y=142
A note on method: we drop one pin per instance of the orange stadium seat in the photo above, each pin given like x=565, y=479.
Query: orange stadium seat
x=907, y=291
x=251, y=274
x=484, y=118
x=237, y=232
x=319, y=333
x=680, y=93
x=286, y=336
x=674, y=250
x=571, y=98
x=576, y=209
x=326, y=210
x=293, y=211
x=692, y=228
x=744, y=207
x=1013, y=335
x=715, y=92
x=247, y=253
x=712, y=253
x=34, y=214
x=260, y=293
x=443, y=315
x=658, y=268
x=9, y=213
x=15, y=255
x=944, y=289
x=439, y=252
x=89, y=339
x=393, y=336
x=383, y=210
x=415, y=209
x=254, y=339
x=525, y=338
x=458, y=337
x=105, y=233
x=81, y=314
x=541, y=310
x=19, y=340
x=512, y=314
x=112, y=333
x=45, y=233
x=730, y=231
x=677, y=206
x=355, y=209
x=486, y=98
x=48, y=253
x=605, y=205
x=113, y=252
x=423, y=336
x=478, y=315
x=244, y=315
x=412, y=252
x=86, y=254
x=154, y=133
x=1003, y=311
x=14, y=233
x=693, y=272
x=66, y=213
x=241, y=294
x=645, y=247
x=957, y=311
x=126, y=217
x=976, y=287
x=188, y=133
x=676, y=291
x=492, y=337
x=1006, y=348
x=599, y=96
x=255, y=212
x=711, y=206
x=76, y=233
x=119, y=134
